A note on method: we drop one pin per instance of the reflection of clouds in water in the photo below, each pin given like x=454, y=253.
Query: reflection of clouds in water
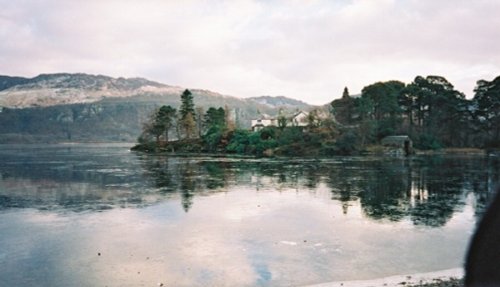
x=466, y=217
x=243, y=210
x=292, y=239
x=239, y=214
x=47, y=194
x=46, y=218
x=218, y=254
x=269, y=227
x=193, y=253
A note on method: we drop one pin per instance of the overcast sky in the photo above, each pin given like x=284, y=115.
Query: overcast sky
x=307, y=50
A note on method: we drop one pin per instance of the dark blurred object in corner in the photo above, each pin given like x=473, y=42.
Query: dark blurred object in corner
x=482, y=268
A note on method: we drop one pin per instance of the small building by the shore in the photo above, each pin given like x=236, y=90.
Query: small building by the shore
x=402, y=142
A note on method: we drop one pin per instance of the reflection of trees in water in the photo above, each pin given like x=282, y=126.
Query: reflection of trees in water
x=187, y=184
x=385, y=189
x=425, y=190
x=344, y=184
x=484, y=180
x=216, y=174
x=451, y=181
x=190, y=178
x=440, y=187
x=161, y=173
x=185, y=177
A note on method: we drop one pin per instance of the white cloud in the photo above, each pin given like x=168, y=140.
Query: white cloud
x=306, y=50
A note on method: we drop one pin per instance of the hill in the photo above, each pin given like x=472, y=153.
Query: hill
x=88, y=108
x=280, y=102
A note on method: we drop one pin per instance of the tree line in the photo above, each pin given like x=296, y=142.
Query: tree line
x=429, y=109
x=191, y=127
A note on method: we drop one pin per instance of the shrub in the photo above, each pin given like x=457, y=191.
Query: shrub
x=427, y=141
x=346, y=144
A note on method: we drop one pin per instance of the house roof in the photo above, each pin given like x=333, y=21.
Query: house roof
x=288, y=116
x=297, y=114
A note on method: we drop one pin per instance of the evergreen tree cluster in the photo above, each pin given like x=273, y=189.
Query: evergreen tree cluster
x=190, y=128
x=429, y=110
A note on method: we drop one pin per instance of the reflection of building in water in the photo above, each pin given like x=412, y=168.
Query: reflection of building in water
x=345, y=206
x=262, y=181
x=418, y=194
x=399, y=144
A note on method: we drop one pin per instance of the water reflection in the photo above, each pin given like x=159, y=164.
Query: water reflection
x=425, y=190
x=230, y=222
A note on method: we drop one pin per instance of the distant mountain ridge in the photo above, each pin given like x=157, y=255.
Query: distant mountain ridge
x=280, y=102
x=7, y=81
x=64, y=88
x=72, y=80
x=82, y=107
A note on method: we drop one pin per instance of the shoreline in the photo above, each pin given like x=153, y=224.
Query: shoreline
x=455, y=151
x=374, y=150
x=448, y=277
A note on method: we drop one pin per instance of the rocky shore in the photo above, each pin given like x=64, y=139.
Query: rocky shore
x=443, y=278
x=450, y=282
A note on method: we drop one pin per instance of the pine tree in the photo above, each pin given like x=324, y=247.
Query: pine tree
x=165, y=119
x=187, y=113
x=187, y=104
x=343, y=109
x=345, y=94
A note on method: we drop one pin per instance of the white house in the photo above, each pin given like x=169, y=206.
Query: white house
x=259, y=124
x=298, y=119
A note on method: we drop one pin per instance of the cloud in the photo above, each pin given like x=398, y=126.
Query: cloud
x=306, y=50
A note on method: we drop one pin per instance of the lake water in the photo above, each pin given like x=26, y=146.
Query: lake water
x=100, y=215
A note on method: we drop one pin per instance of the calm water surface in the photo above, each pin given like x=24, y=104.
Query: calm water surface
x=100, y=215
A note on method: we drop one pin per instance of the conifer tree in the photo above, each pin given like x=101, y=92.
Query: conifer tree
x=165, y=119
x=187, y=113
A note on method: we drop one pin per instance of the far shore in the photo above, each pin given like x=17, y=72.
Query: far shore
x=370, y=151
x=457, y=151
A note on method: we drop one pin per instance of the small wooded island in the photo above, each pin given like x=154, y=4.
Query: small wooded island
x=427, y=114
